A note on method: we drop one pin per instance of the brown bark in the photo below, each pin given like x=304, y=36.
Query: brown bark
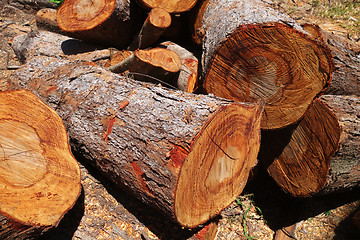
x=320, y=154
x=188, y=155
x=44, y=43
x=46, y=20
x=188, y=77
x=40, y=179
x=346, y=55
x=172, y=6
x=153, y=65
x=155, y=24
x=104, y=22
x=250, y=51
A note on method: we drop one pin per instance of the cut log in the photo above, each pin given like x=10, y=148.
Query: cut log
x=172, y=6
x=155, y=24
x=250, y=51
x=46, y=20
x=104, y=22
x=321, y=153
x=188, y=155
x=39, y=177
x=188, y=77
x=346, y=55
x=44, y=43
x=154, y=65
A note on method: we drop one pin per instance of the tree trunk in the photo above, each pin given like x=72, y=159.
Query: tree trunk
x=155, y=24
x=104, y=22
x=346, y=55
x=172, y=6
x=320, y=154
x=188, y=155
x=250, y=51
x=43, y=43
x=40, y=178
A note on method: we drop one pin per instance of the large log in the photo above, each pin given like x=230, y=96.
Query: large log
x=321, y=153
x=44, y=43
x=346, y=55
x=39, y=177
x=188, y=155
x=251, y=51
x=104, y=22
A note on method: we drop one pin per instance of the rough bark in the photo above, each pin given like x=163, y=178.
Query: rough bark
x=188, y=77
x=34, y=4
x=104, y=22
x=251, y=51
x=346, y=55
x=188, y=155
x=320, y=154
x=46, y=20
x=155, y=24
x=172, y=6
x=44, y=43
x=40, y=178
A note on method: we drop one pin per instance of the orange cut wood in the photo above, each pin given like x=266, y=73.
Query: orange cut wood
x=172, y=6
x=39, y=177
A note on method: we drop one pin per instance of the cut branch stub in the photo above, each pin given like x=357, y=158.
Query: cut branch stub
x=250, y=51
x=152, y=141
x=299, y=157
x=105, y=22
x=172, y=6
x=155, y=24
x=39, y=177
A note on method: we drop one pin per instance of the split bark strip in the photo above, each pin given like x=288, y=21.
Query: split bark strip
x=44, y=43
x=153, y=65
x=104, y=22
x=155, y=24
x=172, y=6
x=188, y=77
x=39, y=177
x=188, y=155
x=346, y=55
x=251, y=51
x=321, y=153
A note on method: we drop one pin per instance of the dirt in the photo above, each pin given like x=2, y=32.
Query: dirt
x=257, y=214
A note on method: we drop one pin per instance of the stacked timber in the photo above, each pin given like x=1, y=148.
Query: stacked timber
x=189, y=155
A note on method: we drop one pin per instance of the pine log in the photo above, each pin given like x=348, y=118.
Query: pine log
x=188, y=155
x=172, y=6
x=320, y=154
x=44, y=43
x=251, y=51
x=155, y=24
x=346, y=55
x=104, y=22
x=154, y=65
x=188, y=77
x=39, y=177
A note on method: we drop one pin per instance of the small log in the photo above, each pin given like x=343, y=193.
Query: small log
x=155, y=24
x=320, y=154
x=251, y=51
x=154, y=65
x=346, y=56
x=188, y=155
x=44, y=43
x=172, y=6
x=188, y=77
x=39, y=177
x=104, y=22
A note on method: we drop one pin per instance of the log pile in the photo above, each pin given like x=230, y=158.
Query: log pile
x=190, y=155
